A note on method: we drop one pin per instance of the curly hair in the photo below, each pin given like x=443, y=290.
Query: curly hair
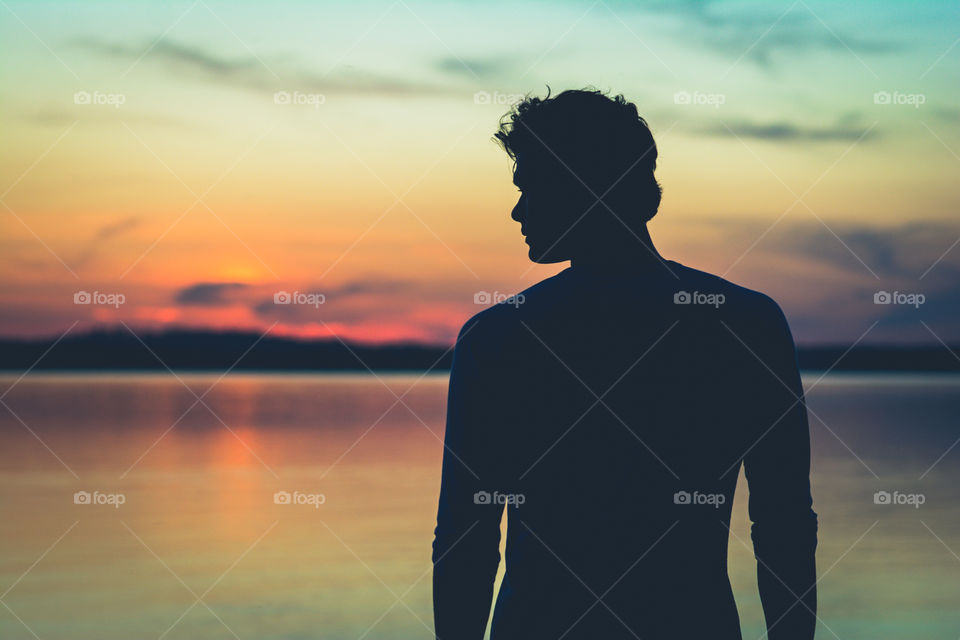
x=602, y=141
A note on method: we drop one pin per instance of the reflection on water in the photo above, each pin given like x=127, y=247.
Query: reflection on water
x=200, y=548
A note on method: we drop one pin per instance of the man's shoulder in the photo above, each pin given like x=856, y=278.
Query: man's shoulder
x=736, y=297
x=741, y=306
x=507, y=312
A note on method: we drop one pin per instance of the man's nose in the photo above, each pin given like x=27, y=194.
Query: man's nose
x=520, y=209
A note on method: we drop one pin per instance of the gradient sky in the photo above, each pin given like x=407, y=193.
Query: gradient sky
x=202, y=194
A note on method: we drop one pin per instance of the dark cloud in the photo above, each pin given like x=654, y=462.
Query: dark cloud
x=380, y=291
x=308, y=313
x=208, y=294
x=825, y=277
x=903, y=253
x=361, y=287
x=31, y=320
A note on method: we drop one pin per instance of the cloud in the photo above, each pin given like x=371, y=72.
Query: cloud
x=362, y=287
x=25, y=320
x=948, y=114
x=476, y=67
x=116, y=228
x=904, y=252
x=794, y=39
x=253, y=73
x=100, y=236
x=760, y=33
x=208, y=294
x=107, y=116
x=826, y=278
x=343, y=299
x=171, y=51
x=843, y=131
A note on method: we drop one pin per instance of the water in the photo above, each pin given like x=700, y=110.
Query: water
x=200, y=548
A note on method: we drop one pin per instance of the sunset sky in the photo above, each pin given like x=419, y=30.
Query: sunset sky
x=199, y=157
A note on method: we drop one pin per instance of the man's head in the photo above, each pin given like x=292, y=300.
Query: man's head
x=584, y=164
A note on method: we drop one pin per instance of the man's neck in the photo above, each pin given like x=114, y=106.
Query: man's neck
x=627, y=255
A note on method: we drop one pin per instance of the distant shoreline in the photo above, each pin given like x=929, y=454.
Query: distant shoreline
x=834, y=374
x=214, y=352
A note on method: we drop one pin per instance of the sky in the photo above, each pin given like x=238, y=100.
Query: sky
x=185, y=164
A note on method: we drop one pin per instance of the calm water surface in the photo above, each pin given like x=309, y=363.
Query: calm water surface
x=200, y=547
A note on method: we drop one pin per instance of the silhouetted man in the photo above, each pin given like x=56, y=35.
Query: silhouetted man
x=608, y=409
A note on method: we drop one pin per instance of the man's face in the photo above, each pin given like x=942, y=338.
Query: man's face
x=548, y=209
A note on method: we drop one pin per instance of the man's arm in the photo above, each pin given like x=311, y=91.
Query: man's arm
x=466, y=545
x=784, y=528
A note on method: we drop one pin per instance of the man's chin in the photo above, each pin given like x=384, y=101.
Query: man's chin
x=540, y=256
